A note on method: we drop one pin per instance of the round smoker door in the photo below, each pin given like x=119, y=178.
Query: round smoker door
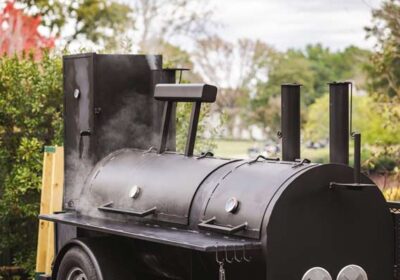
x=311, y=225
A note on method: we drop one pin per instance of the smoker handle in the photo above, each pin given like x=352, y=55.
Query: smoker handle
x=108, y=208
x=349, y=186
x=207, y=224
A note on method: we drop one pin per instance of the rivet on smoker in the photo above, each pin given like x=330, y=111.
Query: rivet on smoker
x=77, y=93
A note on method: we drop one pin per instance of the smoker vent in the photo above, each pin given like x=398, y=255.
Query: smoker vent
x=394, y=208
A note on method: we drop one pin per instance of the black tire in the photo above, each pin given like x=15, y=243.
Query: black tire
x=77, y=263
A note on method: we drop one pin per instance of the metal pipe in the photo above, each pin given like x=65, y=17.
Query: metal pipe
x=290, y=121
x=339, y=122
x=357, y=157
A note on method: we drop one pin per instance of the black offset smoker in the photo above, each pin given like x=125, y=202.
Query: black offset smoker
x=137, y=212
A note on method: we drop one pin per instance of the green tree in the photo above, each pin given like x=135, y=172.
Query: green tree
x=289, y=67
x=365, y=120
x=335, y=66
x=214, y=58
x=384, y=70
x=384, y=77
x=30, y=117
x=313, y=68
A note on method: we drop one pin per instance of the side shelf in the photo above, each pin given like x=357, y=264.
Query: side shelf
x=189, y=239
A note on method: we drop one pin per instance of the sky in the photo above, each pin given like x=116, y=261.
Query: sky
x=295, y=23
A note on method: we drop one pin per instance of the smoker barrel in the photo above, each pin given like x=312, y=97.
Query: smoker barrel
x=339, y=122
x=290, y=123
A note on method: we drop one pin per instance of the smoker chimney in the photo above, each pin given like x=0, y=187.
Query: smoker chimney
x=339, y=122
x=290, y=121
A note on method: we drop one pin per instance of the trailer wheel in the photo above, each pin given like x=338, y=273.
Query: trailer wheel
x=77, y=265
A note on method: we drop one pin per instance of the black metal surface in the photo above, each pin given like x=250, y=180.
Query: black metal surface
x=170, y=189
x=166, y=120
x=294, y=214
x=108, y=114
x=339, y=122
x=64, y=233
x=185, y=92
x=310, y=225
x=253, y=184
x=208, y=225
x=189, y=239
x=194, y=121
x=290, y=121
x=396, y=267
x=349, y=186
x=357, y=157
x=394, y=207
x=109, y=208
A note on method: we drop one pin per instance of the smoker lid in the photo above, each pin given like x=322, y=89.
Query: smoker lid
x=149, y=185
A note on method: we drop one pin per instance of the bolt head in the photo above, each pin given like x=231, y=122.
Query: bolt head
x=77, y=93
x=134, y=192
x=232, y=205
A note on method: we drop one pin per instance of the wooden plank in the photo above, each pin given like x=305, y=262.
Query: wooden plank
x=55, y=203
x=44, y=209
x=51, y=201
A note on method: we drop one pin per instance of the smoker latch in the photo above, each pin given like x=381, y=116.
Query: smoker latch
x=108, y=208
x=208, y=224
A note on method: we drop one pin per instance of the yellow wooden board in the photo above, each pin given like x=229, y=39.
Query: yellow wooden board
x=51, y=201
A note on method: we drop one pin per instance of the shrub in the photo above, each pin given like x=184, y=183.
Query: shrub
x=30, y=117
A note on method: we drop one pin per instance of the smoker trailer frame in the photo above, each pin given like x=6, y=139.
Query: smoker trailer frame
x=112, y=121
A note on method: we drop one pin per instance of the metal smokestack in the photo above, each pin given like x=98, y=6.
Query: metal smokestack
x=339, y=122
x=290, y=121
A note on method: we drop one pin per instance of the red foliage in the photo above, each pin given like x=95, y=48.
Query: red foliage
x=19, y=32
